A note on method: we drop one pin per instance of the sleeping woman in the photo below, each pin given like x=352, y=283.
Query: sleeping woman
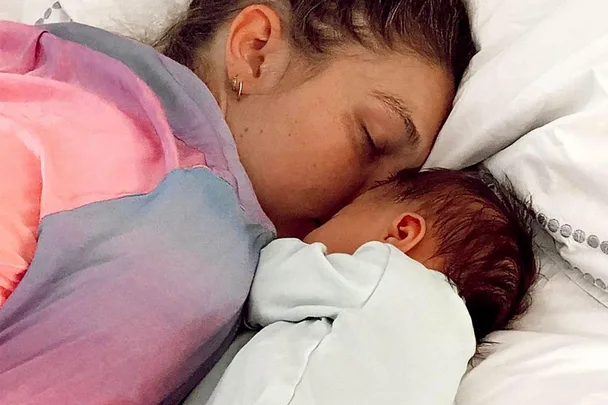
x=137, y=189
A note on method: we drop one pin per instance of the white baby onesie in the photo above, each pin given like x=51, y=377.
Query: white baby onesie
x=373, y=328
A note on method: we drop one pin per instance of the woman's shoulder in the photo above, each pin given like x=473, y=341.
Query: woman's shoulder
x=189, y=113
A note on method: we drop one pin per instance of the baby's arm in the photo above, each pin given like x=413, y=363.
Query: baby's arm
x=403, y=338
x=296, y=281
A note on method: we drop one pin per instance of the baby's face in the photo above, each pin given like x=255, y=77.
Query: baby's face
x=366, y=219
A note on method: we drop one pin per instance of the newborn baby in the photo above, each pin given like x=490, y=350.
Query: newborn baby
x=385, y=302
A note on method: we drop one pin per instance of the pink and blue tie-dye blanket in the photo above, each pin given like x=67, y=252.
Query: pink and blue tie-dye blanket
x=129, y=231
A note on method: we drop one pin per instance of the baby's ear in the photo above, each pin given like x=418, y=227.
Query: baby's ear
x=406, y=231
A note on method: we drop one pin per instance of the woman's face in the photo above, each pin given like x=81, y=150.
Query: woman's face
x=311, y=149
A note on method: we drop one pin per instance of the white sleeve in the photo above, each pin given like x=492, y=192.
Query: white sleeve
x=409, y=342
x=296, y=281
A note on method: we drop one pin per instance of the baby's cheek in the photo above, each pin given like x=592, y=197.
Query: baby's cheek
x=326, y=235
x=313, y=236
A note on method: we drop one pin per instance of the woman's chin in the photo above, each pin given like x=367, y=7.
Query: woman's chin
x=298, y=228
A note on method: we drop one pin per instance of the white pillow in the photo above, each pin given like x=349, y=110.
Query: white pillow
x=533, y=53
x=538, y=93
x=140, y=19
x=11, y=10
x=34, y=11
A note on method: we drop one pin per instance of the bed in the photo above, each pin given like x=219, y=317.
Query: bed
x=533, y=107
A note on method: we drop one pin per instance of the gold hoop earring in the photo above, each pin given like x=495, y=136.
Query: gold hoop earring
x=237, y=87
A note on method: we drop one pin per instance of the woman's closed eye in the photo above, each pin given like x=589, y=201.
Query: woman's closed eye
x=375, y=149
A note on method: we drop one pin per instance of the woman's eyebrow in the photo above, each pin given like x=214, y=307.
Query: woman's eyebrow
x=397, y=106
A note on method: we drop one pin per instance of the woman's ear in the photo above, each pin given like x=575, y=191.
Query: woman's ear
x=257, y=51
x=406, y=231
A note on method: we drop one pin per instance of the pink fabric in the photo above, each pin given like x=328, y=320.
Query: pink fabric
x=19, y=205
x=63, y=144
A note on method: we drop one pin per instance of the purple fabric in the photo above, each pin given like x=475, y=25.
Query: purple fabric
x=131, y=300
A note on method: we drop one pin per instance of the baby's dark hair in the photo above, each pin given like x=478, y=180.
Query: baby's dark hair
x=484, y=240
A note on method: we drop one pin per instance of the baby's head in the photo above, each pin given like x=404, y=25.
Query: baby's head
x=452, y=222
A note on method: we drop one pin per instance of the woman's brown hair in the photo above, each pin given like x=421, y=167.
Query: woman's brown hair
x=438, y=30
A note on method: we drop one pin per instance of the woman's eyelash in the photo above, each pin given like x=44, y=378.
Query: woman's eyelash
x=369, y=138
x=371, y=142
